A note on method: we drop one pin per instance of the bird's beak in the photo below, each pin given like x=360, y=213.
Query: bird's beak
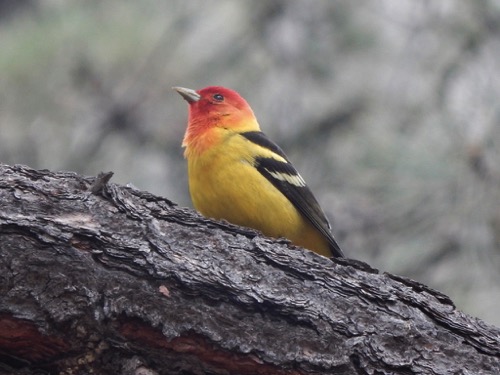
x=191, y=96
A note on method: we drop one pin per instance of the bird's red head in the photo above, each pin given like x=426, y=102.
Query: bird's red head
x=215, y=107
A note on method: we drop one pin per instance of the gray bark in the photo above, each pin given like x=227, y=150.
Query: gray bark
x=101, y=278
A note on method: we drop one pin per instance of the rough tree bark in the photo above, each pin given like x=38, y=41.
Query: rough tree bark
x=101, y=278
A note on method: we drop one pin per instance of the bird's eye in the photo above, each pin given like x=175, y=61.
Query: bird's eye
x=218, y=97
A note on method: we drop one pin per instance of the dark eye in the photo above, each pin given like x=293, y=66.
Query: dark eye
x=218, y=97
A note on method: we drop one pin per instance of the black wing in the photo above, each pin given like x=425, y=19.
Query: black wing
x=288, y=181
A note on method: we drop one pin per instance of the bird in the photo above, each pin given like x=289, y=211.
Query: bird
x=238, y=174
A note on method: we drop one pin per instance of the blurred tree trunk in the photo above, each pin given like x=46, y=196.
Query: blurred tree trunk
x=100, y=278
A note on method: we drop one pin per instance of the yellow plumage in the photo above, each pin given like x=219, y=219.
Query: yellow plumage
x=233, y=177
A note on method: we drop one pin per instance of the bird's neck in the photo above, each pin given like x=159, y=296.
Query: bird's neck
x=202, y=135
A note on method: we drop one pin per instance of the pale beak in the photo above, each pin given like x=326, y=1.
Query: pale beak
x=191, y=96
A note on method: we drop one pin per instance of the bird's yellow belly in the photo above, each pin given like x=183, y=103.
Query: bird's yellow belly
x=231, y=189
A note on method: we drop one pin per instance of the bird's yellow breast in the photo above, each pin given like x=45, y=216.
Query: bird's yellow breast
x=224, y=184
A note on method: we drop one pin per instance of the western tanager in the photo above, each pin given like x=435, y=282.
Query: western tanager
x=236, y=173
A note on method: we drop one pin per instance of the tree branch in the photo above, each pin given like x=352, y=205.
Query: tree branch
x=128, y=282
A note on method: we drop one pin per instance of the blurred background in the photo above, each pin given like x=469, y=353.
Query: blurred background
x=389, y=109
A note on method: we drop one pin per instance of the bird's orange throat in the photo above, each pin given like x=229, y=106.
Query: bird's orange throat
x=200, y=135
x=203, y=133
x=197, y=143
